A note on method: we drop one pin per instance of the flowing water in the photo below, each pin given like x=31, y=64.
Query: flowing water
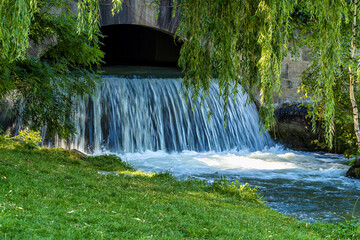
x=147, y=123
x=136, y=115
x=308, y=186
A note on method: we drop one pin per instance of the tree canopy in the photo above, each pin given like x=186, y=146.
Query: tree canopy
x=231, y=40
x=246, y=41
x=43, y=85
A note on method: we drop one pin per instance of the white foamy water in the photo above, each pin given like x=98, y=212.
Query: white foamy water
x=149, y=114
x=308, y=186
x=147, y=122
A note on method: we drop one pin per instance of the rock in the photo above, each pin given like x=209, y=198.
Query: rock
x=354, y=170
x=293, y=128
x=76, y=153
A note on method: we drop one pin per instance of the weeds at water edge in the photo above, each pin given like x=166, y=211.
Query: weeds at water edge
x=242, y=191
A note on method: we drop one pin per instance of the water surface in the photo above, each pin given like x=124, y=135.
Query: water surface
x=146, y=121
x=307, y=186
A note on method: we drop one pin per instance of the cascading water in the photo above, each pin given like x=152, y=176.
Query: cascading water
x=148, y=124
x=138, y=115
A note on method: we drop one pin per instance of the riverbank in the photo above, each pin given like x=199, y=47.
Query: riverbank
x=53, y=193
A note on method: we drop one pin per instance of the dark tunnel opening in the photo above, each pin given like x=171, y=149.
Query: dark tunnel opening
x=138, y=45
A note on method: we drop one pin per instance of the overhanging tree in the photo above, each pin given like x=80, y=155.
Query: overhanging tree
x=231, y=40
x=44, y=87
x=330, y=31
x=352, y=66
x=245, y=41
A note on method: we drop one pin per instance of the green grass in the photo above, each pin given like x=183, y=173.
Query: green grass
x=58, y=194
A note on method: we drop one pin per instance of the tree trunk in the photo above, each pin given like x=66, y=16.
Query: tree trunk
x=352, y=79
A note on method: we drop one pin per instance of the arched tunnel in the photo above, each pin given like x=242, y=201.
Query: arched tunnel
x=128, y=44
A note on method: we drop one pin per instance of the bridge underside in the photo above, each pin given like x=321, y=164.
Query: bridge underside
x=127, y=44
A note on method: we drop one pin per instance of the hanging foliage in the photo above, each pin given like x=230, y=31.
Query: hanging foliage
x=44, y=85
x=246, y=41
x=232, y=41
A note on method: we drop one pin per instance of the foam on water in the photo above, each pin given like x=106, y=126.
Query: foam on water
x=308, y=186
x=147, y=122
x=272, y=159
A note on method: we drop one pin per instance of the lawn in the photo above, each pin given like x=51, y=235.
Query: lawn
x=58, y=194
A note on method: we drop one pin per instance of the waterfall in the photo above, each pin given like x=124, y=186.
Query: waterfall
x=148, y=124
x=137, y=115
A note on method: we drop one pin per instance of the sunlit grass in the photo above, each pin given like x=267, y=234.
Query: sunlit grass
x=136, y=173
x=59, y=194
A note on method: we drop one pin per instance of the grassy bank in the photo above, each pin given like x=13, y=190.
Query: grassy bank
x=58, y=194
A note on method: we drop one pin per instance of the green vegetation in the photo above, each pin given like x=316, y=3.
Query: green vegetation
x=331, y=80
x=233, y=41
x=47, y=61
x=59, y=194
x=246, y=41
x=344, y=135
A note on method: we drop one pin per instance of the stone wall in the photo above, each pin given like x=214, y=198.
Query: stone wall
x=291, y=71
x=293, y=128
x=142, y=12
x=163, y=18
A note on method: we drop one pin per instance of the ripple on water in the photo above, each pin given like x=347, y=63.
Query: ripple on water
x=308, y=186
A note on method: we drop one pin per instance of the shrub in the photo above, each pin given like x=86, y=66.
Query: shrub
x=243, y=192
x=108, y=162
x=164, y=175
x=29, y=139
x=29, y=136
x=5, y=140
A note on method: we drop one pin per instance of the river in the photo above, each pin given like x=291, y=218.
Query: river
x=146, y=121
